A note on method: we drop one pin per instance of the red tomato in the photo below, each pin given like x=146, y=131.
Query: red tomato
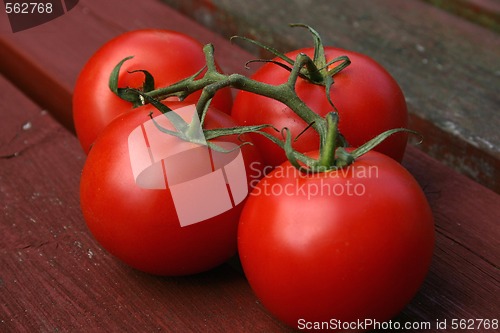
x=369, y=102
x=168, y=55
x=344, y=245
x=141, y=225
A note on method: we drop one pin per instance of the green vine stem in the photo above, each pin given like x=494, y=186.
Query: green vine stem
x=209, y=80
x=189, y=131
x=212, y=81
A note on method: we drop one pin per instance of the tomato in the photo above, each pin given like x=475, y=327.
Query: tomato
x=168, y=55
x=355, y=243
x=141, y=224
x=368, y=99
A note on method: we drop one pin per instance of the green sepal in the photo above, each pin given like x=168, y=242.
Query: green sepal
x=126, y=93
x=237, y=130
x=366, y=147
x=319, y=57
x=267, y=48
x=149, y=80
x=180, y=124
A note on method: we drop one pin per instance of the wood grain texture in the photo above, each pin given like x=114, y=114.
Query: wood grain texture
x=55, y=277
x=465, y=279
x=483, y=12
x=447, y=67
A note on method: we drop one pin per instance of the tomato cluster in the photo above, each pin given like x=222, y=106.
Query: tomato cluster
x=329, y=230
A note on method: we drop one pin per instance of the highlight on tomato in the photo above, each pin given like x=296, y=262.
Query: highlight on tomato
x=168, y=56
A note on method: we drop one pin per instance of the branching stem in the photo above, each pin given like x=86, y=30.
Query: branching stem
x=210, y=80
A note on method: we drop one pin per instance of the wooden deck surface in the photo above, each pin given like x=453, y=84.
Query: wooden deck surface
x=54, y=277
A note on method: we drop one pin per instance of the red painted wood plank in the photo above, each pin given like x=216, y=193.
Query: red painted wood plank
x=483, y=12
x=55, y=277
x=463, y=282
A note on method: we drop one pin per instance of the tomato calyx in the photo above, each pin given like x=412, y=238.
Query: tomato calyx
x=317, y=70
x=190, y=131
x=333, y=155
x=125, y=93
